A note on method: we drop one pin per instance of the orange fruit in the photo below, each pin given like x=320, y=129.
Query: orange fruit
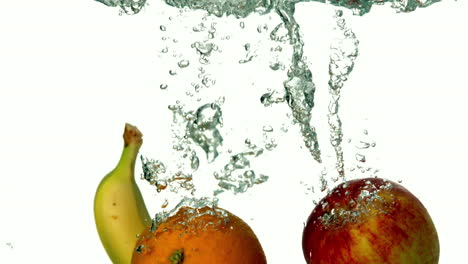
x=199, y=236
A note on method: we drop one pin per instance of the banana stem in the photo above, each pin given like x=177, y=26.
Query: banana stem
x=133, y=139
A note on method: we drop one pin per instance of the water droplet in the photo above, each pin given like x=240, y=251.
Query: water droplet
x=271, y=145
x=280, y=33
x=172, y=107
x=211, y=33
x=162, y=28
x=183, y=63
x=172, y=72
x=276, y=66
x=360, y=158
x=163, y=86
x=217, y=191
x=221, y=100
x=194, y=162
x=323, y=183
x=207, y=81
x=259, y=28
x=267, y=128
x=203, y=130
x=362, y=145
x=248, y=59
x=284, y=128
x=242, y=24
x=203, y=48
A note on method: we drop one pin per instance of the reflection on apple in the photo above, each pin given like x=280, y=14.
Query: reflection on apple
x=370, y=221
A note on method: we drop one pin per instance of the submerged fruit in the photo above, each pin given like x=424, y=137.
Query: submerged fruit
x=370, y=220
x=199, y=236
x=119, y=209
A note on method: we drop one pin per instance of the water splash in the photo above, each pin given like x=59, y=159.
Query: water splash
x=183, y=63
x=129, y=7
x=237, y=176
x=361, y=156
x=204, y=49
x=194, y=204
x=362, y=7
x=271, y=98
x=203, y=129
x=237, y=8
x=155, y=172
x=344, y=51
x=371, y=199
x=299, y=86
x=243, y=8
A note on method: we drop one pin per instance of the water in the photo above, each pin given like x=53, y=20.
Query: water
x=243, y=8
x=372, y=199
x=201, y=127
x=130, y=7
x=299, y=86
x=194, y=203
x=236, y=175
x=344, y=51
x=155, y=172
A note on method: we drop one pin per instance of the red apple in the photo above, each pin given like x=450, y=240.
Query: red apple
x=370, y=221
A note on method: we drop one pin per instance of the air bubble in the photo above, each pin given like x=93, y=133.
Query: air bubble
x=183, y=63
x=267, y=128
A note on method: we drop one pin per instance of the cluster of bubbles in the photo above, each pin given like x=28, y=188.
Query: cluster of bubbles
x=154, y=171
x=194, y=206
x=202, y=126
x=129, y=7
x=243, y=8
x=358, y=165
x=344, y=51
x=371, y=199
x=237, y=176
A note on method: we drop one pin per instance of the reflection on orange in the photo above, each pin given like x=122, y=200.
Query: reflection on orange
x=199, y=236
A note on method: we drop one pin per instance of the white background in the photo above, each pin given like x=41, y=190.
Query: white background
x=73, y=72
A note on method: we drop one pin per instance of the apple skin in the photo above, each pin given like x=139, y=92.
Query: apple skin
x=370, y=221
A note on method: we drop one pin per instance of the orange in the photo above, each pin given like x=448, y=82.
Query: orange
x=199, y=236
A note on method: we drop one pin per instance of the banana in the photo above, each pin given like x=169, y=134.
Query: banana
x=119, y=209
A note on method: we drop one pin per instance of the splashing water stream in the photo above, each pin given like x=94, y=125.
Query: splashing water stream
x=299, y=86
x=202, y=127
x=344, y=51
x=243, y=8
